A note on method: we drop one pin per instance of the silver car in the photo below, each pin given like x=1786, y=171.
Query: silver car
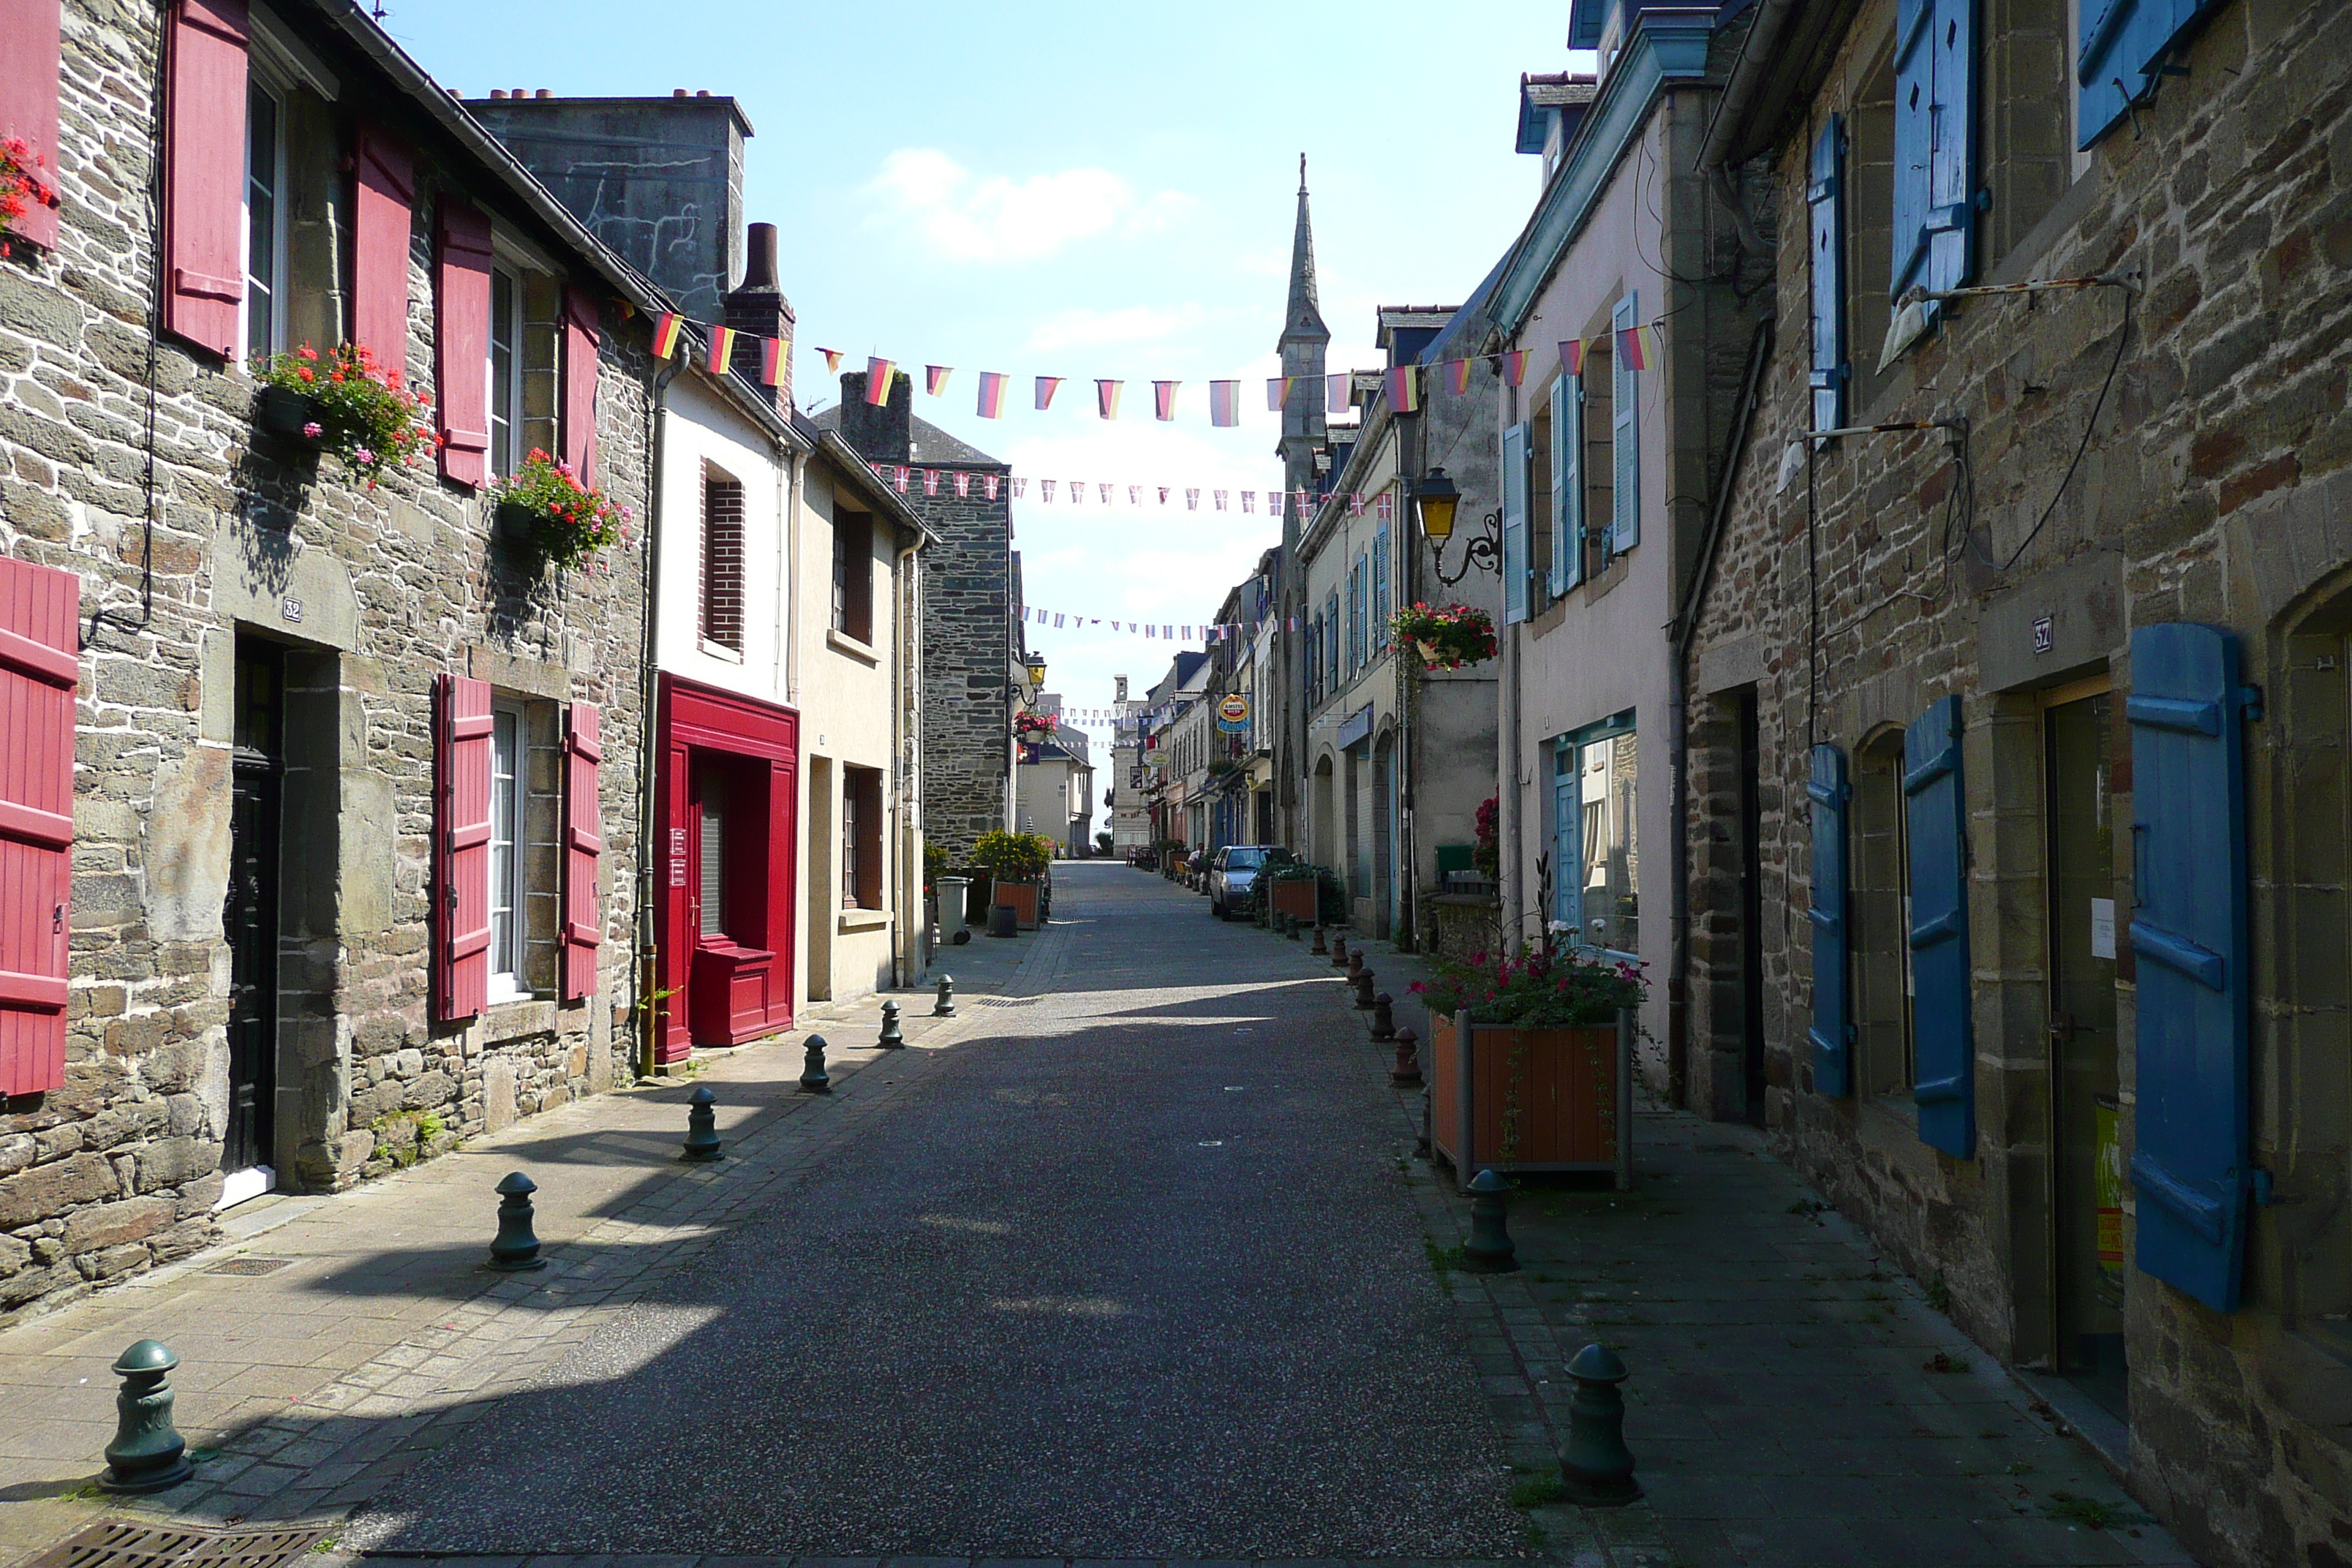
x=1233, y=868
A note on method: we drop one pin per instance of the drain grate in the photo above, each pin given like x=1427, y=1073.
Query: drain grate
x=121, y=1543
x=250, y=1266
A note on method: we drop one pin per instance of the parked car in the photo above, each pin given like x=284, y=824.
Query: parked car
x=1233, y=869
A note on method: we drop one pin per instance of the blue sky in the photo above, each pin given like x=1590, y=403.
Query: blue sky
x=1079, y=191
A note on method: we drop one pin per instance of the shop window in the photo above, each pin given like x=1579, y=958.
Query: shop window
x=1878, y=915
x=1596, y=866
x=853, y=575
x=861, y=838
x=722, y=560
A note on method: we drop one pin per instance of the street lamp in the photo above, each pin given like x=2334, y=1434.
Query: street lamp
x=1435, y=499
x=1036, y=672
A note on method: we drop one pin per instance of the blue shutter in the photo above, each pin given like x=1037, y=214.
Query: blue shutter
x=1381, y=609
x=2191, y=1163
x=1624, y=435
x=1567, y=857
x=1934, y=144
x=1832, y=1031
x=1826, y=196
x=1566, y=486
x=1943, y=1048
x=1360, y=642
x=2121, y=41
x=1515, y=524
x=1332, y=637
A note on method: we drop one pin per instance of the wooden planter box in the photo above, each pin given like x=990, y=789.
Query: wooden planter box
x=1572, y=1090
x=1296, y=897
x=1023, y=896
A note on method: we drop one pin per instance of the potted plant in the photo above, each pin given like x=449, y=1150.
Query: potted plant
x=1034, y=726
x=21, y=189
x=1294, y=889
x=543, y=504
x=1446, y=639
x=1015, y=862
x=342, y=404
x=1532, y=1061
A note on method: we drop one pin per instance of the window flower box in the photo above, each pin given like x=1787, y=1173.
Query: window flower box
x=544, y=507
x=341, y=403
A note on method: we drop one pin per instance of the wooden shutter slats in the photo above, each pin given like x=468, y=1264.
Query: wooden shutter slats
x=1515, y=524
x=1832, y=1031
x=1624, y=432
x=1936, y=816
x=582, y=335
x=461, y=853
x=381, y=224
x=203, y=173
x=31, y=63
x=39, y=609
x=1825, y=200
x=461, y=334
x=583, y=844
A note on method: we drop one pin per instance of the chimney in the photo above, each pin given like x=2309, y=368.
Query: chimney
x=759, y=307
x=883, y=434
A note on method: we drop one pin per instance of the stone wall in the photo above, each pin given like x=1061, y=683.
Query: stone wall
x=105, y=425
x=1893, y=569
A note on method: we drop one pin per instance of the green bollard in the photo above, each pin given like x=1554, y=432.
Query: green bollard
x=1594, y=1464
x=945, y=1007
x=701, y=1125
x=814, y=1080
x=148, y=1454
x=516, y=1248
x=1489, y=1249
x=891, y=1038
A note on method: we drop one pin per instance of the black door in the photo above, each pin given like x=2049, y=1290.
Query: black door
x=250, y=915
x=1751, y=908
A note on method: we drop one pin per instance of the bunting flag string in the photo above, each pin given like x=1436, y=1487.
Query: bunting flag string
x=905, y=478
x=1079, y=620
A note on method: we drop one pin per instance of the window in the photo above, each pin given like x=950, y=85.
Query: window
x=722, y=560
x=710, y=848
x=1359, y=644
x=1381, y=611
x=1542, y=581
x=506, y=907
x=522, y=369
x=1878, y=912
x=1600, y=465
x=1596, y=870
x=265, y=221
x=504, y=370
x=1331, y=640
x=1868, y=226
x=853, y=575
x=861, y=838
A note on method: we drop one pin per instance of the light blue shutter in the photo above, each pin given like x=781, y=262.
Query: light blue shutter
x=2121, y=41
x=1332, y=634
x=1567, y=856
x=1935, y=816
x=1566, y=486
x=1833, y=1030
x=1360, y=642
x=1624, y=435
x=2192, y=1162
x=1515, y=524
x=1934, y=143
x=1824, y=195
x=1381, y=607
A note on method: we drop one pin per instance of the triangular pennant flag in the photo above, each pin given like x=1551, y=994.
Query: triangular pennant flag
x=1045, y=489
x=1457, y=374
x=1163, y=399
x=1163, y=495
x=1107, y=398
x=1135, y=495
x=1046, y=386
x=1224, y=404
x=880, y=374
x=1571, y=357
x=1356, y=504
x=930, y=481
x=1104, y=491
x=832, y=360
x=963, y=485
x=898, y=478
x=935, y=378
x=1019, y=486
x=1191, y=500
x=1249, y=500
x=1629, y=349
x=1514, y=367
x=1384, y=506
x=1219, y=496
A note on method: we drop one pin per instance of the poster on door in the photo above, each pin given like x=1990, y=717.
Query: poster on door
x=2107, y=1181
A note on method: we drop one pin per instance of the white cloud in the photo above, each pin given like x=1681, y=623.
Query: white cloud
x=967, y=217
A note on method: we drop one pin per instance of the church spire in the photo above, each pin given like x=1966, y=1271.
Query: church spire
x=1303, y=320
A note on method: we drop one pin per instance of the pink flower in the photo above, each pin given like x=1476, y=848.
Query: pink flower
x=312, y=429
x=362, y=454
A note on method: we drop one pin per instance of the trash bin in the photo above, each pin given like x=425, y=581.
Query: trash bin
x=953, y=917
x=1003, y=919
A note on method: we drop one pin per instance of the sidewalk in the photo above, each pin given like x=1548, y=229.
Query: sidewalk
x=373, y=1304
x=1792, y=1400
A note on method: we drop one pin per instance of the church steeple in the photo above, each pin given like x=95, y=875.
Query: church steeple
x=1304, y=341
x=1303, y=320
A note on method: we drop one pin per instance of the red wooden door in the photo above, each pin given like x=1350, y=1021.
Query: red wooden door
x=39, y=611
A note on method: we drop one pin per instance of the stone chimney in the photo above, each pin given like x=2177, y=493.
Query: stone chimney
x=759, y=307
x=879, y=435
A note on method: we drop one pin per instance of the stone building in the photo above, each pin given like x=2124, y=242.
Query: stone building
x=2024, y=694
x=322, y=864
x=969, y=597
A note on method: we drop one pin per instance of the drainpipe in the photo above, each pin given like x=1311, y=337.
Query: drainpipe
x=649, y=734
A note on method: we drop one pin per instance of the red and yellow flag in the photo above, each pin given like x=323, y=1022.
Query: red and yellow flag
x=723, y=350
x=666, y=331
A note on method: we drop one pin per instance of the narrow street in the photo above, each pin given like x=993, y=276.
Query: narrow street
x=1128, y=1260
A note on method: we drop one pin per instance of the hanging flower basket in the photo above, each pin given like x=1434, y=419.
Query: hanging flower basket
x=344, y=405
x=1447, y=638
x=542, y=506
x=1033, y=726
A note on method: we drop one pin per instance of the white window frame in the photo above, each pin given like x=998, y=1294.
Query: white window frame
x=269, y=86
x=506, y=283
x=506, y=982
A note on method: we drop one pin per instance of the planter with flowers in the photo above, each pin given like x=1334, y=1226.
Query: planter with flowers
x=342, y=404
x=1016, y=862
x=1447, y=637
x=1531, y=1063
x=1034, y=726
x=22, y=189
x=542, y=507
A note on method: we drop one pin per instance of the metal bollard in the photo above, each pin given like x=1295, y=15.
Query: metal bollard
x=1406, y=1073
x=1421, y=1140
x=148, y=1453
x=1319, y=948
x=1594, y=1464
x=1489, y=1249
x=945, y=1007
x=1290, y=927
x=1363, y=979
x=891, y=1040
x=516, y=1246
x=1355, y=964
x=1338, y=949
x=1383, y=1017
x=701, y=1125
x=814, y=1080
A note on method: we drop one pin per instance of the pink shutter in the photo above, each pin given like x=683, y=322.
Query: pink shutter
x=461, y=847
x=28, y=103
x=204, y=174
x=380, y=233
x=39, y=609
x=581, y=336
x=583, y=842
x=461, y=336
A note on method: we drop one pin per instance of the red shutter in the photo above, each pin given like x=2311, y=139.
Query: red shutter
x=39, y=613
x=461, y=847
x=583, y=841
x=204, y=174
x=581, y=336
x=29, y=67
x=379, y=232
x=461, y=337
